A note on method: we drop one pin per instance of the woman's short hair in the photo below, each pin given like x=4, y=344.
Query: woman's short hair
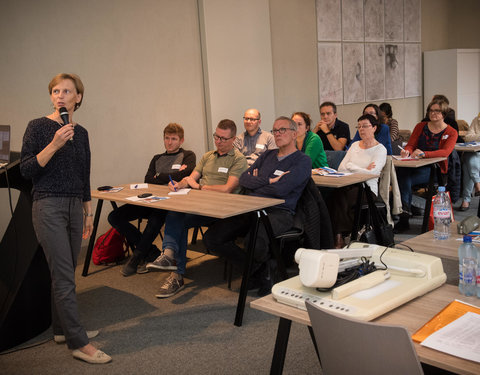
x=372, y=121
x=441, y=103
x=72, y=77
x=306, y=118
x=174, y=128
x=227, y=124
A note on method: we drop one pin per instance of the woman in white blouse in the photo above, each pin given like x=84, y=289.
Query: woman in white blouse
x=365, y=156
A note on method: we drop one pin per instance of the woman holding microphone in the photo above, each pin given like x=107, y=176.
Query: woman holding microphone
x=56, y=157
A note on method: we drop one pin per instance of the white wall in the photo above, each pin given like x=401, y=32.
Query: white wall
x=237, y=60
x=140, y=62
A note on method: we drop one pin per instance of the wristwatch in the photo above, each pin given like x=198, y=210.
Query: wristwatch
x=328, y=133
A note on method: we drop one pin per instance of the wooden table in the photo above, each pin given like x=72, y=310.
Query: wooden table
x=197, y=202
x=412, y=316
x=417, y=163
x=447, y=249
x=352, y=179
x=338, y=182
x=463, y=148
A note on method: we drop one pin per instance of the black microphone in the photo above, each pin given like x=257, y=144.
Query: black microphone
x=64, y=115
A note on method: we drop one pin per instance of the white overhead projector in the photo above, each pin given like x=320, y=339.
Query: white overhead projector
x=407, y=275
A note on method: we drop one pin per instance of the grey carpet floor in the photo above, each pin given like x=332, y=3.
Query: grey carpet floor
x=190, y=333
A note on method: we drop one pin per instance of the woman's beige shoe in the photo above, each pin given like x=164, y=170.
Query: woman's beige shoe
x=98, y=357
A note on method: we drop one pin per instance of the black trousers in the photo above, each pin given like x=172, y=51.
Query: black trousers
x=220, y=237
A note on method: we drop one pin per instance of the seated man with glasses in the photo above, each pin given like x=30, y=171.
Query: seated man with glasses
x=282, y=174
x=253, y=141
x=217, y=170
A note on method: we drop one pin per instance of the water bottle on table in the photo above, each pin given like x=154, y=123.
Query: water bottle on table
x=442, y=215
x=467, y=267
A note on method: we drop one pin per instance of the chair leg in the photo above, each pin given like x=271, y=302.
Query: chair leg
x=194, y=235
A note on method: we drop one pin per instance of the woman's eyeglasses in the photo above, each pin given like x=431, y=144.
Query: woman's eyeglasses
x=363, y=126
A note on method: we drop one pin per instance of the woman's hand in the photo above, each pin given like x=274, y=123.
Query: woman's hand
x=87, y=226
x=371, y=166
x=418, y=154
x=404, y=154
x=62, y=135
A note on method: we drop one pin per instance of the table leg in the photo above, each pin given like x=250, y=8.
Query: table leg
x=358, y=209
x=312, y=335
x=91, y=242
x=428, y=199
x=274, y=245
x=281, y=344
x=246, y=272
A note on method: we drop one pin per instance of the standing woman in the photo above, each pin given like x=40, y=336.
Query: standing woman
x=57, y=159
x=308, y=142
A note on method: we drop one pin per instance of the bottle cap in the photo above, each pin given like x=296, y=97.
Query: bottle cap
x=467, y=239
x=441, y=188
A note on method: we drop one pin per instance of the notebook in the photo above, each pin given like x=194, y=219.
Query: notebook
x=4, y=145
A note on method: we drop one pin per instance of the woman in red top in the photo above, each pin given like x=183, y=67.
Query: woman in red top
x=429, y=140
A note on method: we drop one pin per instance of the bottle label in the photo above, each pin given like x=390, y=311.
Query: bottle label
x=442, y=213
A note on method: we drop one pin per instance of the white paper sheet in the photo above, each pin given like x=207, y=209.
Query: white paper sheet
x=460, y=338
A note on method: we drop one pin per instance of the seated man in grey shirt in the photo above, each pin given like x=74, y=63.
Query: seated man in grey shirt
x=253, y=142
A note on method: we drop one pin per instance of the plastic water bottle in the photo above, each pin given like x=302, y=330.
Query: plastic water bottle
x=442, y=215
x=478, y=271
x=467, y=267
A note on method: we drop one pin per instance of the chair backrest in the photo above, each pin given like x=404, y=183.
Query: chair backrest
x=348, y=346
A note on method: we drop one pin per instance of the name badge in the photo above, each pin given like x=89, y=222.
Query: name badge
x=260, y=146
x=278, y=172
x=176, y=166
x=223, y=170
x=445, y=136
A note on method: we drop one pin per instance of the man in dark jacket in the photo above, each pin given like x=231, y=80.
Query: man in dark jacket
x=282, y=174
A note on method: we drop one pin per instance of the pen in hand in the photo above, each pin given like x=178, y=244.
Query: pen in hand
x=401, y=148
x=173, y=185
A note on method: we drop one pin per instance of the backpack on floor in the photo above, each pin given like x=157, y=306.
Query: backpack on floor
x=110, y=247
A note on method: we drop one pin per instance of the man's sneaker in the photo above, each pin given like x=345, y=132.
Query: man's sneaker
x=163, y=262
x=142, y=267
x=130, y=268
x=170, y=287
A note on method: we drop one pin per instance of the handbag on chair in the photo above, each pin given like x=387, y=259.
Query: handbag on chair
x=377, y=230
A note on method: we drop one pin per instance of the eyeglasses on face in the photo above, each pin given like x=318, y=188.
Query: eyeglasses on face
x=280, y=131
x=251, y=119
x=435, y=111
x=326, y=113
x=363, y=126
x=220, y=139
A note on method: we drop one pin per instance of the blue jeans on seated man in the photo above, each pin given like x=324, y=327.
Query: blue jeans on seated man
x=175, y=237
x=407, y=179
x=142, y=242
x=470, y=173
